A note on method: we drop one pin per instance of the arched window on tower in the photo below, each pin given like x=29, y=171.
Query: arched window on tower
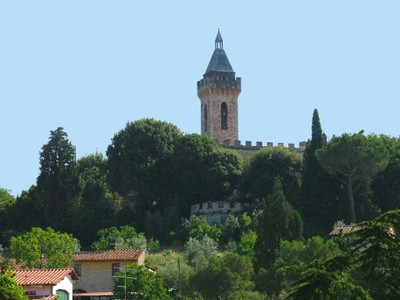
x=205, y=117
x=224, y=116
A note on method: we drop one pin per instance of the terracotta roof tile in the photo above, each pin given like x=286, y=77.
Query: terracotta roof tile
x=51, y=297
x=42, y=276
x=110, y=255
x=348, y=228
x=342, y=229
x=94, y=294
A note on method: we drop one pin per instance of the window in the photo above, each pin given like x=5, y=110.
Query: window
x=77, y=269
x=115, y=268
x=220, y=204
x=30, y=293
x=224, y=116
x=205, y=117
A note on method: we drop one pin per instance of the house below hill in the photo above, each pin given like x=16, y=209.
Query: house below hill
x=47, y=284
x=98, y=268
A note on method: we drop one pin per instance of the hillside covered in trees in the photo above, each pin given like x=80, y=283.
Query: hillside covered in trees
x=139, y=195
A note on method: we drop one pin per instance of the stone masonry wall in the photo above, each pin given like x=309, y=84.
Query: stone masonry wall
x=213, y=95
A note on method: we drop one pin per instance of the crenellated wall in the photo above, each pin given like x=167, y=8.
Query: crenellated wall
x=248, y=145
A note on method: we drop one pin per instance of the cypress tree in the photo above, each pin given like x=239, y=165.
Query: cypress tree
x=318, y=202
x=278, y=221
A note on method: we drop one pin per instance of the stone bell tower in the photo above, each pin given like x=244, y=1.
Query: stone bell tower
x=218, y=92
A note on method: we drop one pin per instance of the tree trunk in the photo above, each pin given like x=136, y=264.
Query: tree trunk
x=351, y=199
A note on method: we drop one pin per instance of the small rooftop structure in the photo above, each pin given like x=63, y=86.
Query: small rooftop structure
x=219, y=62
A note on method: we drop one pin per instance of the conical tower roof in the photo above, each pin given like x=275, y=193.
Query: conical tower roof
x=219, y=61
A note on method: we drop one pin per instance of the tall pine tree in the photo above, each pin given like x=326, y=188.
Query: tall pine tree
x=317, y=201
x=58, y=184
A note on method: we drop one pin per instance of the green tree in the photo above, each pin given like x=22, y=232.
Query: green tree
x=376, y=245
x=119, y=237
x=197, y=227
x=245, y=246
x=134, y=158
x=355, y=159
x=6, y=198
x=319, y=190
x=386, y=184
x=99, y=206
x=267, y=165
x=43, y=248
x=224, y=276
x=25, y=213
x=301, y=253
x=279, y=221
x=367, y=270
x=199, y=252
x=163, y=226
x=139, y=283
x=9, y=289
x=329, y=280
x=200, y=170
x=58, y=184
x=175, y=275
x=230, y=229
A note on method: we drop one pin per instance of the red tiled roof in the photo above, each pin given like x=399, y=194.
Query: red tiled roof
x=42, y=276
x=348, y=228
x=342, y=229
x=110, y=255
x=94, y=294
x=51, y=297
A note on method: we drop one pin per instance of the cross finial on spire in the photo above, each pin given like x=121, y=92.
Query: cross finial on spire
x=219, y=42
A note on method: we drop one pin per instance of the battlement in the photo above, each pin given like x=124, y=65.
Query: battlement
x=216, y=211
x=220, y=82
x=259, y=145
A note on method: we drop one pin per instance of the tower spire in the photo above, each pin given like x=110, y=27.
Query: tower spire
x=218, y=92
x=219, y=42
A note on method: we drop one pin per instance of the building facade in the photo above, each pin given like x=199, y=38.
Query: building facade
x=97, y=269
x=218, y=92
x=49, y=284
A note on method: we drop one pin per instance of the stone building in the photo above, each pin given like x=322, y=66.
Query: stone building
x=216, y=211
x=218, y=92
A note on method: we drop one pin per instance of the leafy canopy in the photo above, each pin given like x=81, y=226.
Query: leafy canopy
x=199, y=252
x=9, y=289
x=355, y=159
x=119, y=237
x=140, y=284
x=43, y=248
x=224, y=275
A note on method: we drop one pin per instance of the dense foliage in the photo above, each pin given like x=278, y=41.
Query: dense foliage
x=140, y=193
x=137, y=282
x=9, y=289
x=355, y=159
x=43, y=248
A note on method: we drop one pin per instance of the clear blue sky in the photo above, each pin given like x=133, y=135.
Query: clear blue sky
x=92, y=66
